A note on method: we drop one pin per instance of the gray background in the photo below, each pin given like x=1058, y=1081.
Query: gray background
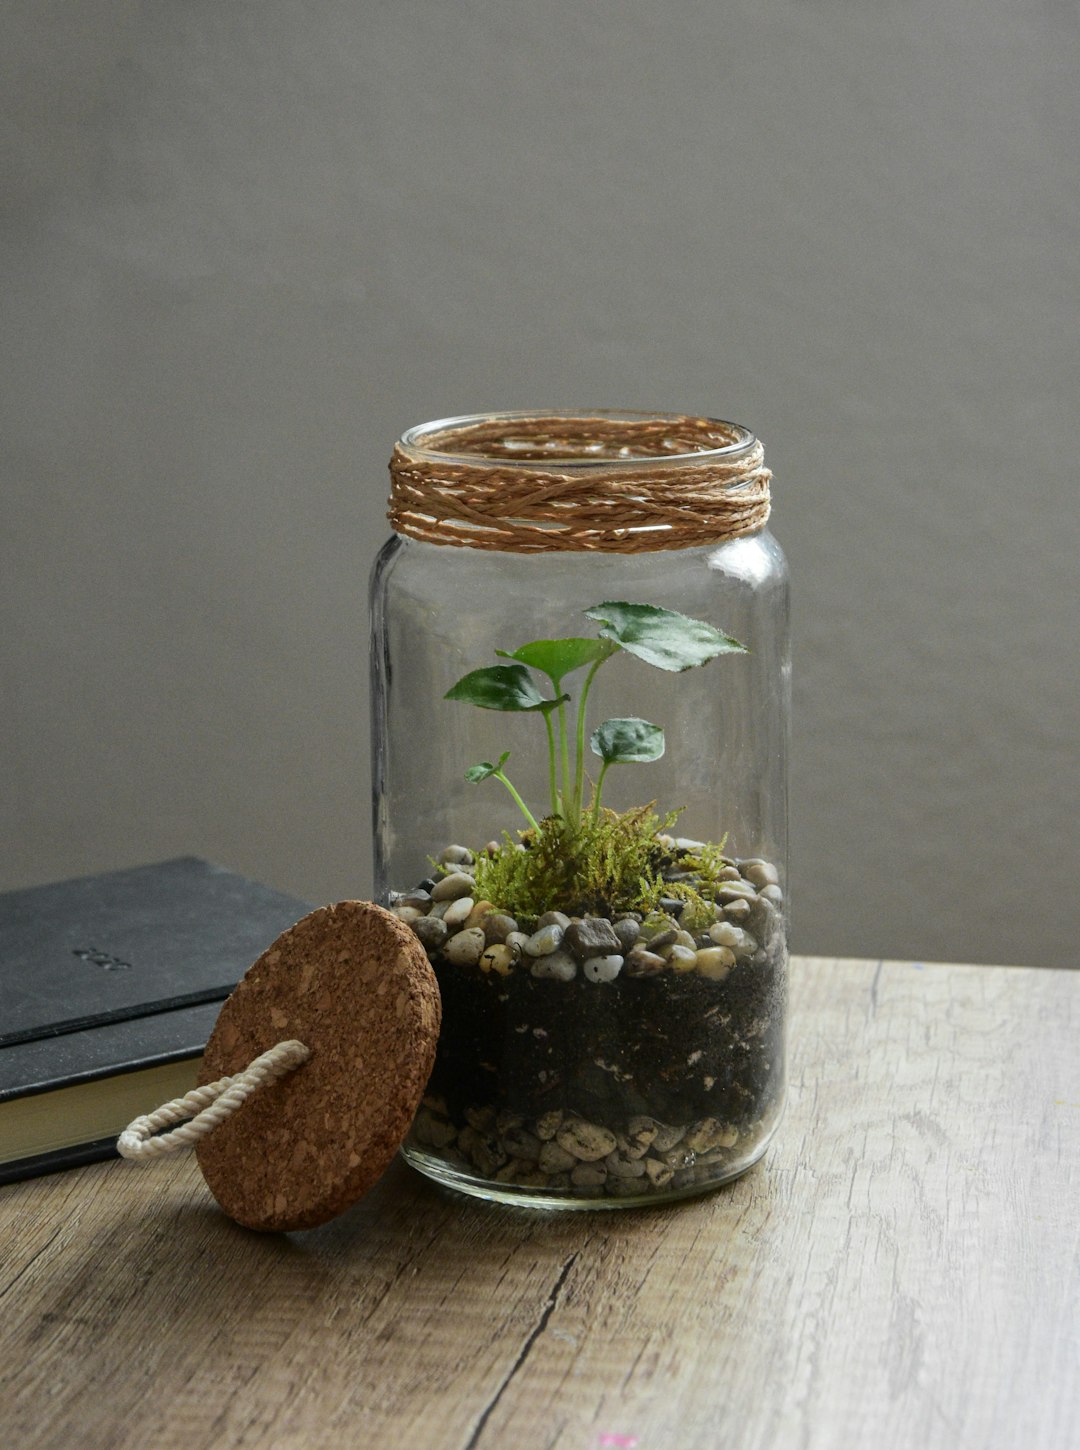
x=246, y=244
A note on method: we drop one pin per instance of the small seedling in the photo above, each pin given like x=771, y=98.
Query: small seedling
x=661, y=637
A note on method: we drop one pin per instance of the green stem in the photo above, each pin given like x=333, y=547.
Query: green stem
x=579, y=775
x=569, y=807
x=599, y=788
x=521, y=804
x=552, y=778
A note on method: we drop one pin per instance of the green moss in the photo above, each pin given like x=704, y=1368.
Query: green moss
x=595, y=868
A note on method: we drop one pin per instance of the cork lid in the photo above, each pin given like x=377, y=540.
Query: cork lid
x=351, y=982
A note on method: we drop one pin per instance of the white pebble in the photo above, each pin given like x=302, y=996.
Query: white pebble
x=602, y=969
x=715, y=962
x=459, y=911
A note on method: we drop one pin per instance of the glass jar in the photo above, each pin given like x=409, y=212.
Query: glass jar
x=613, y=971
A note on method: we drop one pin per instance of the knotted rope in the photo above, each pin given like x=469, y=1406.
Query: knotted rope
x=538, y=484
x=207, y=1106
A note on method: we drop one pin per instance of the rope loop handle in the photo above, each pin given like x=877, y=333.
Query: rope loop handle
x=206, y=1106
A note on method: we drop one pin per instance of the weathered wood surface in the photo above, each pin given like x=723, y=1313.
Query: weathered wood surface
x=902, y=1270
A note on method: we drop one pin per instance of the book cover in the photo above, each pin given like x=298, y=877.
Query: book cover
x=109, y=987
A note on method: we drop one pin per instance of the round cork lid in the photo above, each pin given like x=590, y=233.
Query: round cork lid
x=352, y=982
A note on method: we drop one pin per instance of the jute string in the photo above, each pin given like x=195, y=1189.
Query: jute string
x=639, y=492
x=210, y=1105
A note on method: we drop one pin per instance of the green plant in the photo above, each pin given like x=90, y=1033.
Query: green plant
x=660, y=637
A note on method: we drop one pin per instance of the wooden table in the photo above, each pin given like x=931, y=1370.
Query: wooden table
x=901, y=1270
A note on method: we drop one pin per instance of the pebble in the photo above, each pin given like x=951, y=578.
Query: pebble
x=640, y=963
x=662, y=939
x=431, y=931
x=546, y=940
x=554, y=918
x=660, y=1175
x=591, y=936
x=680, y=958
x=620, y=1167
x=656, y=925
x=761, y=873
x=419, y=897
x=738, y=911
x=458, y=912
x=667, y=1136
x=498, y=958
x=710, y=1133
x=408, y=914
x=516, y=940
x=727, y=934
x=732, y=891
x=456, y=856
x=548, y=1124
x=763, y=919
x=479, y=911
x=463, y=950
x=497, y=927
x=482, y=1151
x=559, y=966
x=627, y=930
x=457, y=884
x=555, y=1159
x=602, y=969
x=773, y=894
x=634, y=1145
x=433, y=1130
x=589, y=1175
x=482, y=1119
x=585, y=1141
x=715, y=962
x=521, y=1144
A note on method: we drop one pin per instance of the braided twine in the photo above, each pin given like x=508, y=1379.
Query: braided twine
x=207, y=1106
x=554, y=483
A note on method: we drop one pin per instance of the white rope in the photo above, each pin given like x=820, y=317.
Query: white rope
x=206, y=1106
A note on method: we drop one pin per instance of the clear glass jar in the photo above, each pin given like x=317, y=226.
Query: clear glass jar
x=614, y=1060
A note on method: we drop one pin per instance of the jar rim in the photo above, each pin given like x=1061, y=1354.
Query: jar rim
x=548, y=458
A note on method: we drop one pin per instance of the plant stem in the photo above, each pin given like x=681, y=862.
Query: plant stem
x=599, y=788
x=521, y=804
x=579, y=775
x=552, y=778
x=569, y=805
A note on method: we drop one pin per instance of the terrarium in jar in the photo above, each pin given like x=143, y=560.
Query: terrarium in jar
x=580, y=698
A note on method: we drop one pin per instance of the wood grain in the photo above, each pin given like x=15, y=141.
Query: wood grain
x=902, y=1270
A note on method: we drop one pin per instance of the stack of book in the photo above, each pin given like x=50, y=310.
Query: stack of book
x=109, y=988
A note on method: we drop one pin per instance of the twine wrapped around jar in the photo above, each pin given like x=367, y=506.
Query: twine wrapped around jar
x=612, y=483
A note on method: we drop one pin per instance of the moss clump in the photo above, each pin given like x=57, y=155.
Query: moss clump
x=599, y=866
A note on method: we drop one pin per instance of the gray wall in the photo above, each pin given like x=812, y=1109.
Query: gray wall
x=245, y=244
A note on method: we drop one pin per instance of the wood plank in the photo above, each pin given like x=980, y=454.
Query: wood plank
x=902, y=1270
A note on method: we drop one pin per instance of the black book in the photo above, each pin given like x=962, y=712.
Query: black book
x=109, y=988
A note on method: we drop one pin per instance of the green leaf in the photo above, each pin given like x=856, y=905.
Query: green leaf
x=500, y=687
x=621, y=742
x=662, y=637
x=558, y=657
x=483, y=771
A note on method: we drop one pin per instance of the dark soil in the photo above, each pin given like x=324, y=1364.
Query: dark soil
x=676, y=1047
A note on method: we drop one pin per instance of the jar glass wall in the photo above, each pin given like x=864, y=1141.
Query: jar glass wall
x=636, y=1051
